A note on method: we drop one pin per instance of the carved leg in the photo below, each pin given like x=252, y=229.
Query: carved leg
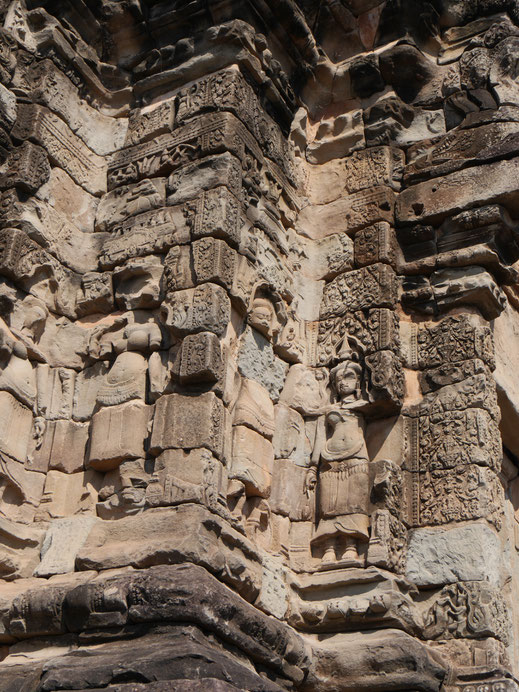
x=329, y=554
x=350, y=551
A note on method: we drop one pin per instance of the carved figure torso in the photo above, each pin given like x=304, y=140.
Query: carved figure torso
x=343, y=474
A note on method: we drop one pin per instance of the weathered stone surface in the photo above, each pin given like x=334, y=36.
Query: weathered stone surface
x=443, y=556
x=144, y=234
x=201, y=358
x=258, y=313
x=256, y=361
x=118, y=433
x=54, y=89
x=254, y=409
x=252, y=461
x=61, y=544
x=348, y=214
x=65, y=149
x=192, y=476
x=129, y=200
x=369, y=287
x=15, y=427
x=27, y=167
x=390, y=658
x=67, y=494
x=207, y=173
x=272, y=644
x=209, y=542
x=19, y=551
x=432, y=201
x=205, y=308
x=61, y=447
x=183, y=422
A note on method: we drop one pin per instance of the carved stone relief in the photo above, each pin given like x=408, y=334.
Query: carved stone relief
x=258, y=263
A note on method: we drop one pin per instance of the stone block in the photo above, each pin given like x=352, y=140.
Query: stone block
x=387, y=547
x=201, y=358
x=327, y=257
x=361, y=289
x=128, y=201
x=468, y=286
x=62, y=542
x=205, y=174
x=186, y=533
x=374, y=244
x=55, y=392
x=118, y=433
x=300, y=556
x=7, y=106
x=206, y=308
x=96, y=294
x=305, y=389
x=391, y=660
x=453, y=438
x=434, y=200
x=348, y=214
x=87, y=385
x=147, y=233
x=188, y=422
x=290, y=440
x=18, y=377
x=437, y=557
x=273, y=597
x=475, y=492
x=15, y=427
x=214, y=260
x=51, y=87
x=65, y=149
x=19, y=551
x=336, y=138
x=62, y=447
x=252, y=461
x=386, y=386
x=360, y=171
x=137, y=284
x=145, y=124
x=465, y=599
x=27, y=167
x=428, y=159
x=183, y=476
x=453, y=340
x=20, y=490
x=256, y=361
x=68, y=494
x=376, y=330
x=215, y=213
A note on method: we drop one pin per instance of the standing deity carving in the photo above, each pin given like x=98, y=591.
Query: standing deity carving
x=340, y=468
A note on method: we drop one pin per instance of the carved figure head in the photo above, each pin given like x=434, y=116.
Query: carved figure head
x=346, y=379
x=346, y=376
x=262, y=315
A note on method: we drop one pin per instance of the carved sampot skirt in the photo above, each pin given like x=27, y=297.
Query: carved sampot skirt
x=343, y=499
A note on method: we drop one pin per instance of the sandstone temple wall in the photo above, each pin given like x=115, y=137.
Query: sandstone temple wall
x=259, y=345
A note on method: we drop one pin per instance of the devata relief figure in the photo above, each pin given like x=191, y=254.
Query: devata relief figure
x=340, y=469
